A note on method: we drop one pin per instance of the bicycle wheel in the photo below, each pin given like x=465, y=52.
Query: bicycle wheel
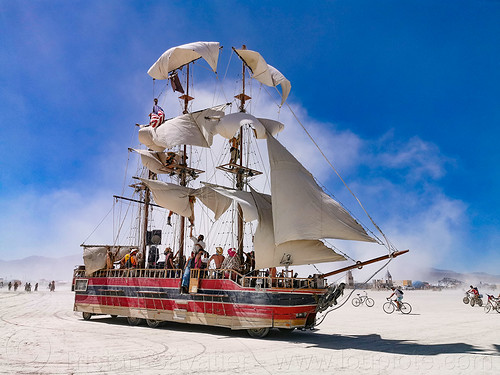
x=388, y=307
x=405, y=308
x=480, y=302
x=487, y=308
x=356, y=302
x=370, y=302
x=466, y=300
x=472, y=302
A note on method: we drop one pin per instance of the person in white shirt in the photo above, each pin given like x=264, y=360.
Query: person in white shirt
x=399, y=296
x=198, y=243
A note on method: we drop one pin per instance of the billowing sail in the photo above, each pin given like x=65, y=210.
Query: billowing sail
x=264, y=73
x=195, y=129
x=153, y=160
x=172, y=197
x=179, y=56
x=257, y=206
x=216, y=202
x=230, y=124
x=301, y=209
x=267, y=254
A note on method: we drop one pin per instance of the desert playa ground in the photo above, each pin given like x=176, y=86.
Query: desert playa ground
x=41, y=334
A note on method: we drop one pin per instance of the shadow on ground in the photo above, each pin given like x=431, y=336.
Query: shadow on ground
x=316, y=339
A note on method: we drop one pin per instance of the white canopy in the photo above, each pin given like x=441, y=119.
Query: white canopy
x=264, y=73
x=301, y=209
x=195, y=129
x=230, y=124
x=176, y=57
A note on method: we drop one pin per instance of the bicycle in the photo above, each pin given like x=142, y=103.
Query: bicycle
x=359, y=300
x=390, y=306
x=493, y=303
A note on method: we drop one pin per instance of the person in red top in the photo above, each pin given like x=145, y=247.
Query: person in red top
x=474, y=291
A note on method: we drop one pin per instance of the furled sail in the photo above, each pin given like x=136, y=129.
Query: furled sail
x=176, y=57
x=230, y=124
x=294, y=189
x=195, y=129
x=267, y=254
x=173, y=197
x=264, y=73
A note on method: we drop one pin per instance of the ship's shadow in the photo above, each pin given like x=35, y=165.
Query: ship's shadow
x=317, y=339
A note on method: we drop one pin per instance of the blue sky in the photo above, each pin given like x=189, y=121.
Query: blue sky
x=410, y=91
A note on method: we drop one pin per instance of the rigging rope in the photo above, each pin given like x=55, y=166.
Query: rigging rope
x=339, y=176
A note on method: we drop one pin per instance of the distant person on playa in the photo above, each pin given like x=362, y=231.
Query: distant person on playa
x=399, y=296
x=36, y=287
x=52, y=286
x=10, y=285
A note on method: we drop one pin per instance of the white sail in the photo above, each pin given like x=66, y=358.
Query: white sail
x=179, y=56
x=264, y=73
x=267, y=254
x=243, y=198
x=172, y=197
x=195, y=129
x=153, y=160
x=228, y=126
x=94, y=257
x=301, y=209
x=216, y=202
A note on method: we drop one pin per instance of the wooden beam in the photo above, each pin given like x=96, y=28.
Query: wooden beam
x=361, y=264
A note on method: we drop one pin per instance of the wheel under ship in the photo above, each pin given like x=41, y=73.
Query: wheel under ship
x=289, y=227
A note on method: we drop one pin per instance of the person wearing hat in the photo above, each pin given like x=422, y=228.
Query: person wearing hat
x=218, y=258
x=133, y=258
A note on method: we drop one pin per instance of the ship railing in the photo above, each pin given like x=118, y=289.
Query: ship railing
x=256, y=279
x=160, y=273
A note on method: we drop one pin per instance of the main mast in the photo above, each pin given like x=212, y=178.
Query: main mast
x=240, y=174
x=182, y=175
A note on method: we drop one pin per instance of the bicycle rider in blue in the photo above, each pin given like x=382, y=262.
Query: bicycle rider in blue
x=399, y=296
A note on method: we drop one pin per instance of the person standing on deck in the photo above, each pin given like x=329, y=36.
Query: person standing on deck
x=198, y=243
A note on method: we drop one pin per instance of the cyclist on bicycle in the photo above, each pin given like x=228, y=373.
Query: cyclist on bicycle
x=399, y=296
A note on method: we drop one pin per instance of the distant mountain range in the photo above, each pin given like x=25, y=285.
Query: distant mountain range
x=435, y=274
x=35, y=268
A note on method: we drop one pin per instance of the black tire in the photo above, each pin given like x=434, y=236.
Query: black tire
x=388, y=307
x=466, y=300
x=134, y=321
x=258, y=333
x=405, y=308
x=356, y=302
x=86, y=315
x=472, y=302
x=370, y=302
x=479, y=302
x=153, y=323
